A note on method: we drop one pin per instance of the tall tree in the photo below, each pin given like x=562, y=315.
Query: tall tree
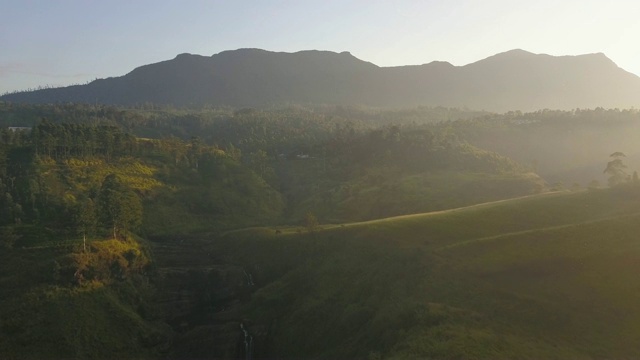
x=86, y=220
x=119, y=206
x=615, y=169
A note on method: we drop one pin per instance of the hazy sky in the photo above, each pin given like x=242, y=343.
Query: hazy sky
x=61, y=42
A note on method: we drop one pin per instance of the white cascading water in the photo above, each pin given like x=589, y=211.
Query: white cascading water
x=248, y=342
x=249, y=278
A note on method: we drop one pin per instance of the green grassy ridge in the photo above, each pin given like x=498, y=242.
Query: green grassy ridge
x=394, y=288
x=44, y=314
x=582, y=278
x=89, y=323
x=539, y=231
x=496, y=218
x=381, y=191
x=436, y=191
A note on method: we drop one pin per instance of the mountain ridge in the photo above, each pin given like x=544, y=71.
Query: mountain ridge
x=249, y=77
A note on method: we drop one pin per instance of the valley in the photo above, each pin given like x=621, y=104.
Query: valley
x=316, y=233
x=279, y=180
x=538, y=278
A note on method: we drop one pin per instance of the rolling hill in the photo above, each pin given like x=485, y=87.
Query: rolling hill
x=541, y=276
x=549, y=276
x=514, y=80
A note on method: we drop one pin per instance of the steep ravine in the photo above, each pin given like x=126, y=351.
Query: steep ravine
x=200, y=295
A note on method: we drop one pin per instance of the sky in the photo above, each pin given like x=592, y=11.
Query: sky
x=64, y=42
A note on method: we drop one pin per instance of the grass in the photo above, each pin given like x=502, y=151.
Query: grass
x=547, y=276
x=587, y=273
x=391, y=191
x=550, y=276
x=87, y=174
x=43, y=317
x=52, y=323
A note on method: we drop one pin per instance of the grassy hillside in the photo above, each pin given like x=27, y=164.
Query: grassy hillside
x=58, y=302
x=386, y=174
x=64, y=299
x=539, y=276
x=386, y=192
x=549, y=276
x=184, y=187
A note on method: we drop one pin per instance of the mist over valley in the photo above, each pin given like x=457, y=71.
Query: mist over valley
x=474, y=203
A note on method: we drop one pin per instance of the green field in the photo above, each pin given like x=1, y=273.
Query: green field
x=550, y=276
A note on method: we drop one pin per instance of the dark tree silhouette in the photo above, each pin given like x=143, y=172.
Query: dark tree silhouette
x=120, y=208
x=616, y=169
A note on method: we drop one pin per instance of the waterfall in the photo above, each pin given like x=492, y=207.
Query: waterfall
x=248, y=342
x=249, y=278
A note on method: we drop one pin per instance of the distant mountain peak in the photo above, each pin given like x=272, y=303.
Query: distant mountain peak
x=250, y=77
x=445, y=64
x=511, y=55
x=599, y=56
x=515, y=52
x=241, y=51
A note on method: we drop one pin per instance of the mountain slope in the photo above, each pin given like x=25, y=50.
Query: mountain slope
x=251, y=77
x=550, y=276
x=527, y=80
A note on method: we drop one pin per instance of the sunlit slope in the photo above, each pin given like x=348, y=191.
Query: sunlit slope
x=578, y=283
x=551, y=276
x=43, y=318
x=495, y=218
